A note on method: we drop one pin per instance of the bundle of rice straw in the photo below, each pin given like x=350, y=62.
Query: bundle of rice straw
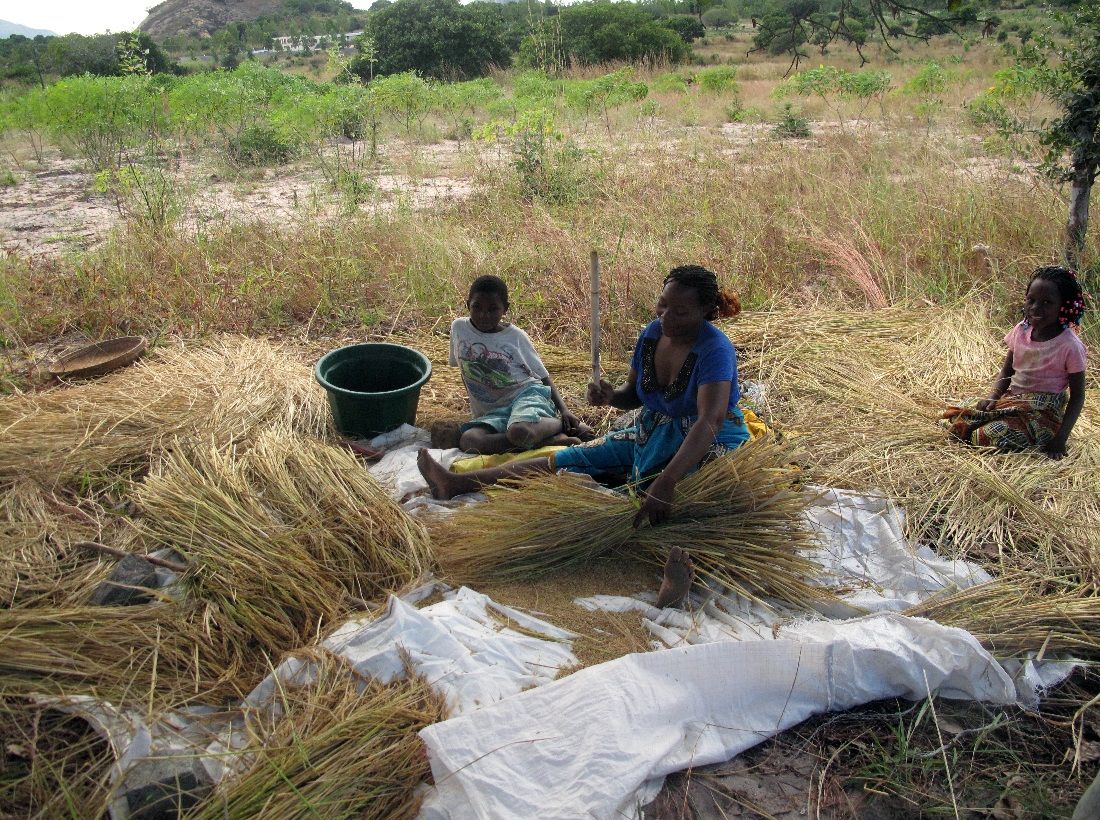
x=343, y=746
x=89, y=435
x=741, y=516
x=278, y=536
x=153, y=653
x=1023, y=614
x=866, y=390
x=55, y=764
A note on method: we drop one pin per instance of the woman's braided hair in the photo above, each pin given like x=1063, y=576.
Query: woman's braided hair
x=725, y=302
x=1073, y=297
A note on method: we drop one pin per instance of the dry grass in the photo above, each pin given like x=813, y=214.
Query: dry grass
x=52, y=764
x=38, y=565
x=1023, y=614
x=151, y=655
x=740, y=515
x=343, y=746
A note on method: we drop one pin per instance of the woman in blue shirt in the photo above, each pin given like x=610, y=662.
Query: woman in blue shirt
x=683, y=376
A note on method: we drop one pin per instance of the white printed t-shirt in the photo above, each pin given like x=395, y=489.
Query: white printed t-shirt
x=1043, y=367
x=496, y=367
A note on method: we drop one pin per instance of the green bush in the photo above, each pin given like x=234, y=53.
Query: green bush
x=260, y=144
x=671, y=82
x=718, y=79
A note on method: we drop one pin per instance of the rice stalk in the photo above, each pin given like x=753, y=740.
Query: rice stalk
x=342, y=746
x=37, y=565
x=155, y=652
x=280, y=536
x=740, y=516
x=1023, y=614
x=867, y=389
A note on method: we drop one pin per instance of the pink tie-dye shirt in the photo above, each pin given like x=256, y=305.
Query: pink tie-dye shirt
x=1043, y=367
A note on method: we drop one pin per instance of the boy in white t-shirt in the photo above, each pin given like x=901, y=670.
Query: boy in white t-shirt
x=513, y=400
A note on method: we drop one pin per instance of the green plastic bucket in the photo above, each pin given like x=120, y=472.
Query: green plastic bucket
x=372, y=387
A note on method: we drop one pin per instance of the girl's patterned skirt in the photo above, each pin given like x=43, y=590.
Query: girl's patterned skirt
x=1021, y=422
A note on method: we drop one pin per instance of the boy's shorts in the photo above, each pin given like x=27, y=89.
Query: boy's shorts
x=531, y=405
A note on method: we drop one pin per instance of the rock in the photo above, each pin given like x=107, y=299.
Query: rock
x=165, y=788
x=127, y=584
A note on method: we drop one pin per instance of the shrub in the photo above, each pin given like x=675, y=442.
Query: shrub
x=717, y=79
x=718, y=17
x=791, y=124
x=260, y=144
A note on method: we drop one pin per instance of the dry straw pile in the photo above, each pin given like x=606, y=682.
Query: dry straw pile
x=740, y=515
x=89, y=435
x=343, y=746
x=1024, y=614
x=218, y=453
x=282, y=538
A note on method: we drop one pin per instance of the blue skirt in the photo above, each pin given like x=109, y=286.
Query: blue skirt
x=642, y=451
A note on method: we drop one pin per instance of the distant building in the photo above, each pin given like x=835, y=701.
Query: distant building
x=314, y=42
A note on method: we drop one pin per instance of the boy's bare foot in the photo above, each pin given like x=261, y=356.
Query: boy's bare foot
x=679, y=573
x=585, y=433
x=442, y=482
x=560, y=440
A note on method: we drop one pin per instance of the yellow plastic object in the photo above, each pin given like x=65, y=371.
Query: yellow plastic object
x=465, y=465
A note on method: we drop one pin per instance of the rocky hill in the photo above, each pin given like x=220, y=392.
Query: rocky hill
x=199, y=17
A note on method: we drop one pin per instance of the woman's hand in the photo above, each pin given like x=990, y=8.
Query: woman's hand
x=656, y=503
x=987, y=404
x=600, y=395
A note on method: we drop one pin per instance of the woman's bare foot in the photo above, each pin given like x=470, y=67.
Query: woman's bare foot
x=679, y=573
x=442, y=482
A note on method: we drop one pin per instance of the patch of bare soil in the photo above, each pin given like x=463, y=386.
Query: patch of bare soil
x=53, y=207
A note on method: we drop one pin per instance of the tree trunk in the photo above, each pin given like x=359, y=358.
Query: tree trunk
x=1078, y=223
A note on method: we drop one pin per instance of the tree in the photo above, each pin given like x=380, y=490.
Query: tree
x=437, y=38
x=786, y=27
x=1073, y=139
x=689, y=28
x=600, y=32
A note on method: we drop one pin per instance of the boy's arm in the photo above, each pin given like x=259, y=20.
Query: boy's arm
x=569, y=421
x=1000, y=385
x=1057, y=446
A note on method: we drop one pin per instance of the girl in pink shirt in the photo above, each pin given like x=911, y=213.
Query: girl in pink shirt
x=1027, y=406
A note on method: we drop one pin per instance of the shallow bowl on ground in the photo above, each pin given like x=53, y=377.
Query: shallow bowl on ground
x=99, y=358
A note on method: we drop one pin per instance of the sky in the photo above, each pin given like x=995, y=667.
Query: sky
x=84, y=16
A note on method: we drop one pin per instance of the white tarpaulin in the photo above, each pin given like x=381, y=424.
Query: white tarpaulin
x=590, y=744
